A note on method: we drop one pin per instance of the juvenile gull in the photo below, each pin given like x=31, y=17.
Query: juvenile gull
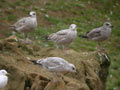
x=55, y=65
x=26, y=24
x=99, y=34
x=64, y=37
x=3, y=79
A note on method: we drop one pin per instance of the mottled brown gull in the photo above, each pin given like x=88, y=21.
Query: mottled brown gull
x=26, y=24
x=64, y=37
x=99, y=34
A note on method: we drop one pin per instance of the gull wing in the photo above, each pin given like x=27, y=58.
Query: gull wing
x=56, y=36
x=21, y=22
x=62, y=32
x=54, y=61
x=94, y=33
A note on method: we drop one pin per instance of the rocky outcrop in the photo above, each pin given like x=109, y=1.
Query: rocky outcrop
x=14, y=57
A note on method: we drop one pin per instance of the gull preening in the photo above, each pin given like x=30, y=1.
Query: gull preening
x=55, y=65
x=26, y=24
x=99, y=34
x=3, y=79
x=64, y=37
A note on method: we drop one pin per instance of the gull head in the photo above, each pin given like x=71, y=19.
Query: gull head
x=72, y=68
x=73, y=27
x=108, y=25
x=3, y=72
x=32, y=14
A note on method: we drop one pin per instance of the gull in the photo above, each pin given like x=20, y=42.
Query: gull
x=55, y=65
x=26, y=24
x=64, y=37
x=3, y=79
x=99, y=34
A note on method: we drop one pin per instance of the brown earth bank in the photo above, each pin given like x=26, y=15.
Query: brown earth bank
x=24, y=75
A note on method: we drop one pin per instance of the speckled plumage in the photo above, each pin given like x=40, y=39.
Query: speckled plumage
x=64, y=37
x=26, y=24
x=101, y=33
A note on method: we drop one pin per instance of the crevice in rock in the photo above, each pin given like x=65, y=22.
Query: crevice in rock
x=88, y=84
x=104, y=71
x=28, y=84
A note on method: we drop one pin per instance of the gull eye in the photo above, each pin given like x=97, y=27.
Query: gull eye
x=107, y=24
x=33, y=13
x=73, y=68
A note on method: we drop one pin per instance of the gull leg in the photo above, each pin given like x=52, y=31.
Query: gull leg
x=56, y=46
x=100, y=47
x=23, y=35
x=56, y=77
x=13, y=33
x=63, y=48
x=27, y=40
x=97, y=46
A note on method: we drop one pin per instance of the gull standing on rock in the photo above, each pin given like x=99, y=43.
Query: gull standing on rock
x=99, y=34
x=3, y=78
x=26, y=24
x=55, y=65
x=64, y=37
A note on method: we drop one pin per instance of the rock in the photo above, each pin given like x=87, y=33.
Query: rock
x=56, y=85
x=77, y=86
x=24, y=75
x=12, y=38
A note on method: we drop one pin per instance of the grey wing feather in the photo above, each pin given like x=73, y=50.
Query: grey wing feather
x=54, y=61
x=56, y=36
x=62, y=32
x=19, y=23
x=94, y=33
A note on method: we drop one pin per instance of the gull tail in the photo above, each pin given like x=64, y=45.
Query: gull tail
x=12, y=27
x=47, y=38
x=33, y=61
x=83, y=36
x=37, y=62
x=50, y=37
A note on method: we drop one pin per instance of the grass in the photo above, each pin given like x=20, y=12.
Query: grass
x=87, y=14
x=11, y=17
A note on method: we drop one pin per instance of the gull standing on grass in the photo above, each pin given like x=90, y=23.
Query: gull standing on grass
x=64, y=37
x=25, y=25
x=99, y=34
x=55, y=65
x=3, y=79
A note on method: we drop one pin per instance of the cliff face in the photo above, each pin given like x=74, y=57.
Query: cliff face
x=92, y=70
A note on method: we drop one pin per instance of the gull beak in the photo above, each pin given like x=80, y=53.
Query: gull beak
x=8, y=74
x=112, y=26
x=76, y=73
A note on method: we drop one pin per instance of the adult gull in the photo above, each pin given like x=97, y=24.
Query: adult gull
x=55, y=65
x=3, y=79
